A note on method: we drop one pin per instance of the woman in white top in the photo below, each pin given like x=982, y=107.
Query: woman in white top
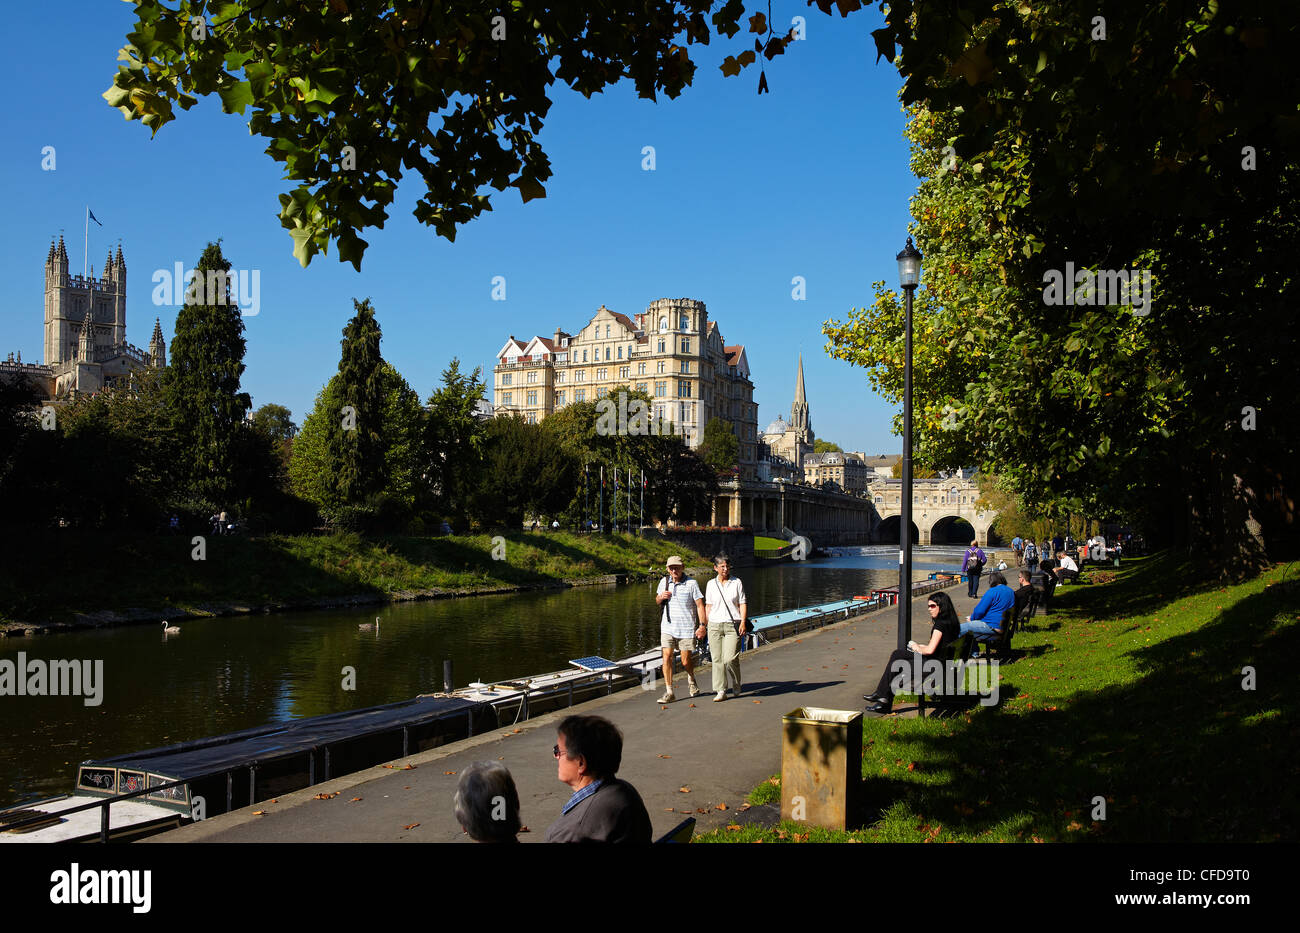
x=727, y=615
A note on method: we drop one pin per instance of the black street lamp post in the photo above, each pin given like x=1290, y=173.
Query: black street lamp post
x=909, y=275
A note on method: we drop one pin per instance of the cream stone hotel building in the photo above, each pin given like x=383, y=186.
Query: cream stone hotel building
x=671, y=351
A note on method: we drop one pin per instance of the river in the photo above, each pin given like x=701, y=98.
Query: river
x=221, y=675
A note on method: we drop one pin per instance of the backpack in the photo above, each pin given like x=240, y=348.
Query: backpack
x=1031, y=552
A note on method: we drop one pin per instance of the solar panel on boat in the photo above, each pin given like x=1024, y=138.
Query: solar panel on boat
x=593, y=663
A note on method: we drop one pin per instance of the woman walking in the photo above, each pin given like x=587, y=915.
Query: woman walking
x=728, y=621
x=947, y=628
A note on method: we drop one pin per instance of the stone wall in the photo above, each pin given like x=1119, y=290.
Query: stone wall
x=738, y=545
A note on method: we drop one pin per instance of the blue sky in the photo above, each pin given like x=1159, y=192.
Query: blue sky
x=748, y=192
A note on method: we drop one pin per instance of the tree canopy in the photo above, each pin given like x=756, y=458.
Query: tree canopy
x=350, y=94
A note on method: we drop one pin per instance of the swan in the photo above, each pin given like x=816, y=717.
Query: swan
x=369, y=626
x=171, y=629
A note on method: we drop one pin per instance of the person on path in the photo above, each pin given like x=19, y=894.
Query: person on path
x=486, y=803
x=588, y=751
x=1031, y=556
x=681, y=624
x=973, y=566
x=1018, y=547
x=946, y=630
x=727, y=617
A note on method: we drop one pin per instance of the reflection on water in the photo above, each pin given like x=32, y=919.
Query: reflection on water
x=220, y=675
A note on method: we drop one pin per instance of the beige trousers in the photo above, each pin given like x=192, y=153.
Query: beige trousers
x=724, y=646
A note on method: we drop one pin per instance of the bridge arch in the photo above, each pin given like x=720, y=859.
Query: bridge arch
x=952, y=529
x=889, y=531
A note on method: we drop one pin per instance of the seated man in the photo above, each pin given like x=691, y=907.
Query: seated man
x=487, y=804
x=1023, y=592
x=987, y=617
x=589, y=750
x=1067, y=569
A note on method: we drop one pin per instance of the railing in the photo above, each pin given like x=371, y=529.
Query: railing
x=105, y=804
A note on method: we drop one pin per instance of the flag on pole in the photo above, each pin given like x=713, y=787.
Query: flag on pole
x=92, y=216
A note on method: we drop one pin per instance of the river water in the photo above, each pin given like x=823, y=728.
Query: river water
x=221, y=675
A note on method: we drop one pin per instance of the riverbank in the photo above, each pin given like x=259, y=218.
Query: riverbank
x=1153, y=708
x=58, y=581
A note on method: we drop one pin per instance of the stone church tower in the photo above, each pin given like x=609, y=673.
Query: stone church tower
x=794, y=440
x=85, y=342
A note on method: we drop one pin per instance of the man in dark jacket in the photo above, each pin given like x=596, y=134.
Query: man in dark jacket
x=588, y=751
x=972, y=565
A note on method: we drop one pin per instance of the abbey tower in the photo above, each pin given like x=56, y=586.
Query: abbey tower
x=85, y=344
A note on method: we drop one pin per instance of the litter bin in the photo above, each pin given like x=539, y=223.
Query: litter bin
x=821, y=766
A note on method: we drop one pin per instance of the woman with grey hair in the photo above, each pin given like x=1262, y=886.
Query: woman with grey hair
x=487, y=803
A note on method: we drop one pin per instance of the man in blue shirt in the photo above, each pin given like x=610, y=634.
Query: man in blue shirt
x=987, y=618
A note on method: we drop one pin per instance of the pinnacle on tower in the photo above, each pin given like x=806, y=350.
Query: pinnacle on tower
x=118, y=259
x=157, y=346
x=49, y=257
x=108, y=265
x=62, y=254
x=88, y=338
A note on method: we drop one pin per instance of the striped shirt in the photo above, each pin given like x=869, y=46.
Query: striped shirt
x=679, y=618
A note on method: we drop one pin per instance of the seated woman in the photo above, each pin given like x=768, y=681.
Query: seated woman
x=990, y=613
x=487, y=804
x=946, y=628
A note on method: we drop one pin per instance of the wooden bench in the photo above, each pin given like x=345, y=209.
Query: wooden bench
x=958, y=652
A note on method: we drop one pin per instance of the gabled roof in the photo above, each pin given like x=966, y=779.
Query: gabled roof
x=736, y=357
x=512, y=347
x=539, y=345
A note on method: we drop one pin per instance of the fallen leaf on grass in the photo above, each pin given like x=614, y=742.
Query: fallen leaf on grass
x=734, y=827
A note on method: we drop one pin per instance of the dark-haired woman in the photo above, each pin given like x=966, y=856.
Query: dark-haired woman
x=947, y=628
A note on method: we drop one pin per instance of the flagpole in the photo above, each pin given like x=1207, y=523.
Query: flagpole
x=85, y=252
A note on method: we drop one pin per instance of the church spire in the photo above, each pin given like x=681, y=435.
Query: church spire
x=88, y=339
x=157, y=347
x=799, y=419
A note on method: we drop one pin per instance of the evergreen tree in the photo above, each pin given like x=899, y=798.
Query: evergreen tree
x=720, y=447
x=206, y=362
x=452, y=439
x=357, y=448
x=313, y=464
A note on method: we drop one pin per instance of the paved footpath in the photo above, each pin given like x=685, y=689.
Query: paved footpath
x=719, y=751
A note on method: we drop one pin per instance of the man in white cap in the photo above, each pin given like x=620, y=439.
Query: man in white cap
x=683, y=607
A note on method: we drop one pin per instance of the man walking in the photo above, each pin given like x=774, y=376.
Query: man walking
x=973, y=566
x=683, y=608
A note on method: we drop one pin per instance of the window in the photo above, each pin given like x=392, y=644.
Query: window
x=661, y=368
x=602, y=374
x=579, y=395
x=687, y=410
x=505, y=380
x=623, y=371
x=559, y=398
x=620, y=352
x=584, y=356
x=582, y=374
x=508, y=398
x=684, y=389
x=602, y=392
x=532, y=376
x=532, y=417
x=640, y=369
x=661, y=346
x=607, y=353
x=641, y=387
x=661, y=389
x=686, y=366
x=685, y=322
x=607, y=330
x=559, y=377
x=532, y=396
x=686, y=346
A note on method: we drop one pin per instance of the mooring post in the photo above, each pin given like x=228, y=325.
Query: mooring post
x=446, y=677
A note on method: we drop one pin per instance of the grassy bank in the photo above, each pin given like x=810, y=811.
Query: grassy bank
x=1131, y=691
x=54, y=576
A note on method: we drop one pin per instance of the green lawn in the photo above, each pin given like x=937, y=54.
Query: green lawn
x=1131, y=691
x=95, y=571
x=767, y=544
